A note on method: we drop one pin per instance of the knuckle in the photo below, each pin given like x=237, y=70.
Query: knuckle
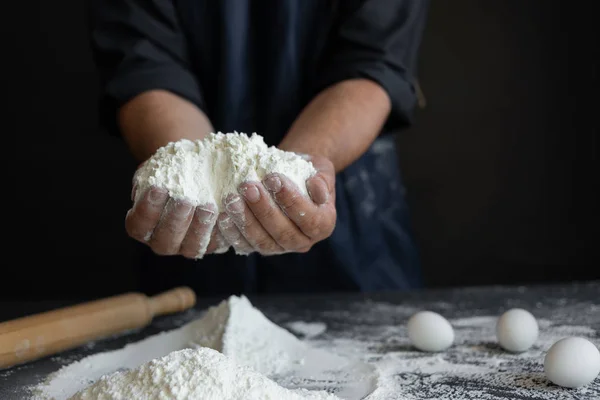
x=139, y=214
x=320, y=226
x=160, y=251
x=266, y=245
x=187, y=254
x=243, y=224
x=287, y=198
x=199, y=232
x=231, y=234
x=135, y=233
x=304, y=249
x=264, y=212
x=189, y=248
x=171, y=228
x=163, y=249
x=230, y=237
x=178, y=212
x=287, y=238
x=314, y=227
x=190, y=253
x=227, y=227
x=144, y=209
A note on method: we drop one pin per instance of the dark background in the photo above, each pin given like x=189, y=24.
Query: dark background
x=500, y=166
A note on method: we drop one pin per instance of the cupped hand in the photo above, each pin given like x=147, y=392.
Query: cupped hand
x=274, y=217
x=174, y=227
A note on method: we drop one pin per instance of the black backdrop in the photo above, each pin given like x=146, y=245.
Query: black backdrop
x=500, y=166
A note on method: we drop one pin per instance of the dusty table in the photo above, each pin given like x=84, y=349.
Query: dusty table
x=373, y=325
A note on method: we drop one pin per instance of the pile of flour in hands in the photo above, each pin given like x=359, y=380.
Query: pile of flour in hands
x=206, y=171
x=228, y=354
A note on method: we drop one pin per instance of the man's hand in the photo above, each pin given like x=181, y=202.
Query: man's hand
x=274, y=217
x=170, y=226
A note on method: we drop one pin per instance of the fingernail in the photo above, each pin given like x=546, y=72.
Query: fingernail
x=205, y=216
x=226, y=223
x=250, y=193
x=234, y=204
x=273, y=184
x=157, y=196
x=183, y=209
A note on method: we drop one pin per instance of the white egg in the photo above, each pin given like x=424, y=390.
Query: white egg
x=572, y=362
x=429, y=331
x=517, y=330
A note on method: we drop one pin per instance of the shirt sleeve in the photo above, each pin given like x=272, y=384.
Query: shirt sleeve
x=138, y=45
x=378, y=40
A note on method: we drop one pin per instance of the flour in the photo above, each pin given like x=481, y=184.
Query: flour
x=307, y=330
x=234, y=328
x=77, y=375
x=474, y=368
x=206, y=171
x=201, y=374
x=241, y=332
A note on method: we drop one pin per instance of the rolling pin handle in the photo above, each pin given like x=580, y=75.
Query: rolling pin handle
x=172, y=301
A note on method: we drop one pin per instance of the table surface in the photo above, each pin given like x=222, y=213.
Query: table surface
x=376, y=323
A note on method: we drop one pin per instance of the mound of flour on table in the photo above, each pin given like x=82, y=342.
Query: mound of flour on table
x=206, y=171
x=201, y=374
x=233, y=327
x=240, y=331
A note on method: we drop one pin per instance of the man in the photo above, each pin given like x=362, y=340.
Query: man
x=330, y=79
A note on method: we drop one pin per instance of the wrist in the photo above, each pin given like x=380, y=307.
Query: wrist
x=308, y=145
x=153, y=119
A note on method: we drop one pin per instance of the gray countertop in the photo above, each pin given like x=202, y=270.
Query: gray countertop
x=375, y=322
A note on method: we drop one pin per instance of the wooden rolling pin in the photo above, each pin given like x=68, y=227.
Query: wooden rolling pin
x=35, y=336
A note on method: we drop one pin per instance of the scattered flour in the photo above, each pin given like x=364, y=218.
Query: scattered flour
x=474, y=368
x=200, y=374
x=206, y=171
x=308, y=330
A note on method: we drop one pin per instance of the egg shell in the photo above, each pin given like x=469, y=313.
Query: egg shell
x=429, y=331
x=517, y=330
x=572, y=362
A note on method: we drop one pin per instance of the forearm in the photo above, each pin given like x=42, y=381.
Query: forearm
x=341, y=122
x=153, y=119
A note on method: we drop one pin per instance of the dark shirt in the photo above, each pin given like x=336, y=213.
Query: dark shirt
x=251, y=66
